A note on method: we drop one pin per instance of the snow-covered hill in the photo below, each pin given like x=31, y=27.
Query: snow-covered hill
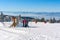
x=35, y=31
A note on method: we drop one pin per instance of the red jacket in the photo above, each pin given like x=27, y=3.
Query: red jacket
x=24, y=21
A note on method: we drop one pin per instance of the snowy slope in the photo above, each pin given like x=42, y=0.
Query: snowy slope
x=41, y=31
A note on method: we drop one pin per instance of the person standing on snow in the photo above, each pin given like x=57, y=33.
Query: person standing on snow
x=25, y=23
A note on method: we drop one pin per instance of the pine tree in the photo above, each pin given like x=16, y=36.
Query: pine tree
x=54, y=20
x=42, y=19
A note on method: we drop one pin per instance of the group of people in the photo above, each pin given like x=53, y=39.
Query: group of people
x=16, y=22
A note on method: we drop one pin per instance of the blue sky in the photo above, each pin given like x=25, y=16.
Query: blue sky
x=30, y=5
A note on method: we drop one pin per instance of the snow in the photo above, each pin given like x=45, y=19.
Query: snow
x=35, y=31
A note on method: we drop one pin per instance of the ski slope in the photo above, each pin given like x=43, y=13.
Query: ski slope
x=35, y=31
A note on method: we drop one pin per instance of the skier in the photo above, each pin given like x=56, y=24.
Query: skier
x=25, y=23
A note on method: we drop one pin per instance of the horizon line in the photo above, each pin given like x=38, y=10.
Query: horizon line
x=28, y=11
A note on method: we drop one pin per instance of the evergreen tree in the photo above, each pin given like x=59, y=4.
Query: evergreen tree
x=2, y=17
x=54, y=20
x=42, y=19
x=51, y=20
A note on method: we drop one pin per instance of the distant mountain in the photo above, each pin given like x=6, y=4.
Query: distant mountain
x=39, y=15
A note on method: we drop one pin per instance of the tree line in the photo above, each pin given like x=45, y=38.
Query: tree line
x=52, y=20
